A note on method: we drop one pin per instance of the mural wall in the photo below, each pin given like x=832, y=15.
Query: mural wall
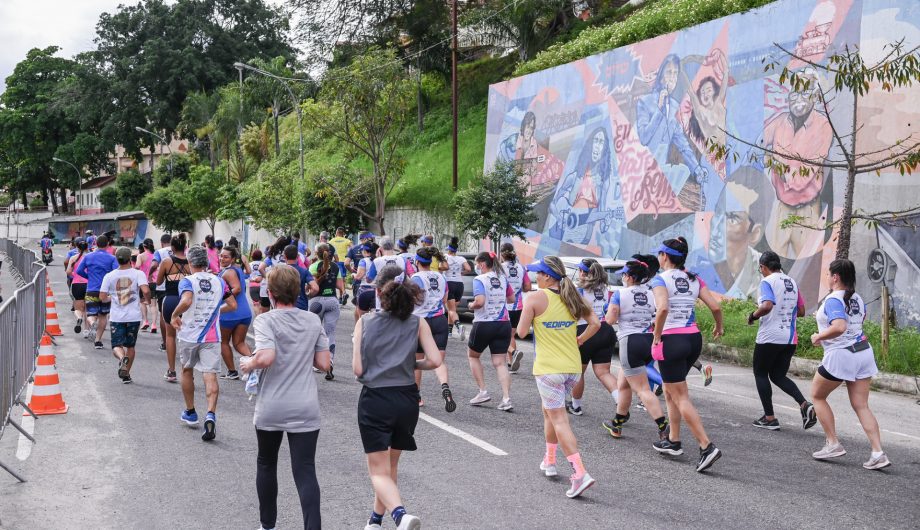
x=614, y=145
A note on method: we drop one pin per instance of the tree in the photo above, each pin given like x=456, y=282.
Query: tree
x=201, y=195
x=163, y=208
x=109, y=200
x=181, y=167
x=496, y=205
x=131, y=188
x=851, y=77
x=272, y=197
x=320, y=214
x=365, y=105
x=529, y=24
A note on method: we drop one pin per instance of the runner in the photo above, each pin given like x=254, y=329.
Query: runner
x=599, y=349
x=388, y=257
x=47, y=244
x=384, y=359
x=173, y=269
x=342, y=245
x=213, y=254
x=491, y=328
x=433, y=287
x=352, y=259
x=325, y=303
x=273, y=254
x=633, y=308
x=160, y=290
x=457, y=266
x=144, y=262
x=90, y=240
x=366, y=297
x=553, y=310
x=78, y=286
x=94, y=266
x=520, y=284
x=125, y=288
x=255, y=280
x=849, y=357
x=677, y=344
x=234, y=324
x=427, y=241
x=308, y=286
x=295, y=240
x=780, y=304
x=204, y=295
x=72, y=251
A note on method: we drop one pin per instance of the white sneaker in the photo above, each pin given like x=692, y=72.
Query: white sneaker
x=506, y=405
x=548, y=469
x=372, y=527
x=829, y=451
x=579, y=486
x=516, y=358
x=482, y=397
x=877, y=463
x=462, y=331
x=409, y=522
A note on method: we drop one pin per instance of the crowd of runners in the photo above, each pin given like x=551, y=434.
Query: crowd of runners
x=202, y=300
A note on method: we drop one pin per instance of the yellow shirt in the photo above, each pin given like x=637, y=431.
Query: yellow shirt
x=340, y=244
x=556, y=339
x=435, y=264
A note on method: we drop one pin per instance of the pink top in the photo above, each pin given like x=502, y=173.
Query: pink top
x=213, y=260
x=76, y=277
x=144, y=262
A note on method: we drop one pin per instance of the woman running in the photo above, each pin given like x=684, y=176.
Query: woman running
x=255, y=281
x=849, y=357
x=234, y=324
x=599, y=349
x=367, y=296
x=633, y=308
x=520, y=284
x=491, y=327
x=457, y=266
x=273, y=254
x=433, y=287
x=384, y=360
x=553, y=311
x=780, y=304
x=677, y=344
x=143, y=263
x=213, y=254
x=171, y=271
x=78, y=285
x=326, y=302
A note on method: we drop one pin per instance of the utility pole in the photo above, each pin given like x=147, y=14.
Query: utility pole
x=453, y=87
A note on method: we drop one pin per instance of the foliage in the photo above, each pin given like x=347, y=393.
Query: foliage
x=496, y=205
x=529, y=24
x=181, y=166
x=162, y=207
x=201, y=195
x=131, y=189
x=271, y=197
x=108, y=199
x=320, y=214
x=38, y=203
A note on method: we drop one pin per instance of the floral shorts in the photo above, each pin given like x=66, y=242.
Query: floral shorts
x=554, y=388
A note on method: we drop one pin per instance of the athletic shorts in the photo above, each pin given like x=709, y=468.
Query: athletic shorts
x=78, y=291
x=265, y=302
x=554, y=388
x=94, y=305
x=680, y=352
x=159, y=295
x=454, y=290
x=635, y=353
x=124, y=334
x=232, y=324
x=342, y=270
x=367, y=299
x=514, y=317
x=254, y=293
x=387, y=418
x=439, y=330
x=169, y=304
x=599, y=348
x=845, y=365
x=493, y=335
x=202, y=356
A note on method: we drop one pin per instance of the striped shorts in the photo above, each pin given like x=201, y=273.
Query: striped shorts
x=554, y=388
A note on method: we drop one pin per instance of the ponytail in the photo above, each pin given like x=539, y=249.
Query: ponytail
x=642, y=268
x=508, y=253
x=845, y=269
x=572, y=300
x=324, y=253
x=491, y=261
x=427, y=254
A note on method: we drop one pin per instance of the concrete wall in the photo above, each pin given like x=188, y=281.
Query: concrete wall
x=402, y=221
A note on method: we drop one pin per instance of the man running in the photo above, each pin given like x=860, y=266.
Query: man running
x=353, y=258
x=94, y=267
x=203, y=295
x=124, y=288
x=160, y=292
x=308, y=286
x=342, y=245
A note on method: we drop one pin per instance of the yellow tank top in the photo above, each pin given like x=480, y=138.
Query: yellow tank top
x=555, y=339
x=340, y=244
x=435, y=264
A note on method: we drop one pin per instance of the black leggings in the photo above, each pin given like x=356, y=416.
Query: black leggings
x=303, y=452
x=771, y=363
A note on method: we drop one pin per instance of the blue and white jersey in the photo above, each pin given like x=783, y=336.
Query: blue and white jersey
x=454, y=272
x=378, y=264
x=494, y=287
x=515, y=274
x=834, y=308
x=158, y=257
x=778, y=326
x=597, y=299
x=200, y=323
x=434, y=286
x=637, y=309
x=365, y=282
x=682, y=295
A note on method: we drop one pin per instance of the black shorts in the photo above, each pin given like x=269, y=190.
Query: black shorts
x=439, y=331
x=265, y=302
x=454, y=290
x=254, y=294
x=514, y=317
x=367, y=299
x=387, y=418
x=159, y=295
x=680, y=352
x=78, y=290
x=493, y=335
x=600, y=347
x=635, y=353
x=170, y=302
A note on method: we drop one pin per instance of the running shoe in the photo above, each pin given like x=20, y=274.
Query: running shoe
x=162, y=347
x=809, y=418
x=614, y=427
x=659, y=389
x=98, y=345
x=189, y=419
x=344, y=300
x=510, y=371
x=79, y=327
x=123, y=367
x=579, y=485
x=829, y=451
x=516, y=358
x=707, y=375
x=146, y=326
x=127, y=380
x=449, y=404
x=640, y=406
x=572, y=409
x=482, y=397
x=317, y=371
x=409, y=522
x=548, y=469
x=210, y=427
x=668, y=447
x=461, y=331
x=231, y=375
x=153, y=329
x=708, y=457
x=877, y=462
x=86, y=334
x=506, y=405
x=373, y=526
x=170, y=376
x=764, y=423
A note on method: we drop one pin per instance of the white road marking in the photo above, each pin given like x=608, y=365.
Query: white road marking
x=463, y=435
x=24, y=446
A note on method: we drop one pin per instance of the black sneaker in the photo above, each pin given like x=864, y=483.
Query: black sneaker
x=809, y=418
x=127, y=380
x=573, y=410
x=210, y=427
x=79, y=327
x=231, y=375
x=764, y=423
x=123, y=368
x=708, y=457
x=98, y=345
x=329, y=375
x=162, y=347
x=449, y=404
x=615, y=428
x=668, y=447
x=659, y=389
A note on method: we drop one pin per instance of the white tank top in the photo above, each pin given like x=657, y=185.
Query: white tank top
x=778, y=326
x=496, y=290
x=515, y=276
x=682, y=295
x=832, y=308
x=366, y=263
x=597, y=300
x=454, y=272
x=637, y=309
x=434, y=286
x=200, y=322
x=379, y=263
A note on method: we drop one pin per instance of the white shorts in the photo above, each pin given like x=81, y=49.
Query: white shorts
x=850, y=366
x=202, y=356
x=554, y=388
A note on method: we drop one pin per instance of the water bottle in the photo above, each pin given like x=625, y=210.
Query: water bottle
x=252, y=384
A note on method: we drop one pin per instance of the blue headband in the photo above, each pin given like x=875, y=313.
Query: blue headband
x=427, y=240
x=540, y=266
x=451, y=248
x=420, y=259
x=668, y=250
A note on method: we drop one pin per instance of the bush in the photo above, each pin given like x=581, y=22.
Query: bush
x=108, y=198
x=37, y=203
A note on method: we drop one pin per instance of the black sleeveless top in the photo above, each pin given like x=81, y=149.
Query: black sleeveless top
x=179, y=266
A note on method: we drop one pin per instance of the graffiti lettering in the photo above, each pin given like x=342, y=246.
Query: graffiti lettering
x=621, y=134
x=653, y=192
x=558, y=122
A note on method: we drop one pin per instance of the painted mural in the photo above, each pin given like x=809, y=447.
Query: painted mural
x=614, y=146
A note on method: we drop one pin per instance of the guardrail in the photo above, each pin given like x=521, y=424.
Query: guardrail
x=22, y=323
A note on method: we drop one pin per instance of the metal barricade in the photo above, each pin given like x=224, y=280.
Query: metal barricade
x=22, y=323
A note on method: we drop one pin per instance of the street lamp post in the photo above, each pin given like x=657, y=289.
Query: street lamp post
x=79, y=183
x=163, y=141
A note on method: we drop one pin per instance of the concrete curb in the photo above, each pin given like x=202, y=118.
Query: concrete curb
x=901, y=384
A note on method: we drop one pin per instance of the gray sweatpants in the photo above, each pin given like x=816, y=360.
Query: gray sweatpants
x=327, y=308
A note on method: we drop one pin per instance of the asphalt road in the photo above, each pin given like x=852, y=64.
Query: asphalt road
x=121, y=459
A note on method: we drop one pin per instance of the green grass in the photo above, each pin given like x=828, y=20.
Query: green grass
x=903, y=357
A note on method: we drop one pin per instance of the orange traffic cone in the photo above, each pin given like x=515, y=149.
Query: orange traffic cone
x=46, y=389
x=51, y=318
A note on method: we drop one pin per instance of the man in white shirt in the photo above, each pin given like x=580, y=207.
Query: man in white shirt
x=124, y=287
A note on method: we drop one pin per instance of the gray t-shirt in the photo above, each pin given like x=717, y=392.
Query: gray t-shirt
x=287, y=399
x=388, y=347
